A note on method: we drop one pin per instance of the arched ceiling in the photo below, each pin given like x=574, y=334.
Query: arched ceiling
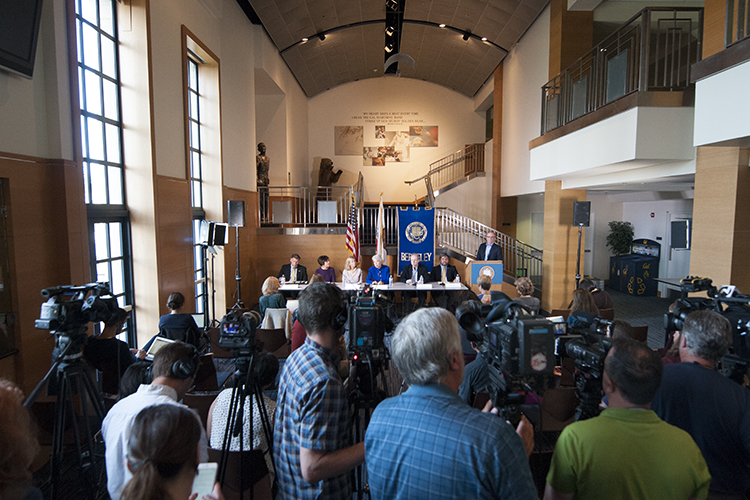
x=329, y=42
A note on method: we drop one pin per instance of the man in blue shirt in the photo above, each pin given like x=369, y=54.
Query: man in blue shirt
x=379, y=274
x=312, y=434
x=427, y=443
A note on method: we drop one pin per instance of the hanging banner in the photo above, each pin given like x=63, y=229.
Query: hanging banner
x=416, y=234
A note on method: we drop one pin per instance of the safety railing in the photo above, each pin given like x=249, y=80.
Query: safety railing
x=454, y=167
x=304, y=206
x=737, y=21
x=653, y=51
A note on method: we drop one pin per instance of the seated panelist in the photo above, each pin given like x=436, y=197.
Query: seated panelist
x=293, y=272
x=379, y=273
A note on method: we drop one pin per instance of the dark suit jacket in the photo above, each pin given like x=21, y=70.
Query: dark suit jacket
x=421, y=271
x=496, y=253
x=450, y=273
x=286, y=272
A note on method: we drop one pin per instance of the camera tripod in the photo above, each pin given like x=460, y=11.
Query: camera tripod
x=245, y=385
x=72, y=376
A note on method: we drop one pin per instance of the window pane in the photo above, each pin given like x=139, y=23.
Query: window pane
x=86, y=183
x=195, y=165
x=102, y=271
x=110, y=100
x=117, y=285
x=100, y=241
x=115, y=239
x=116, y=190
x=95, y=138
x=192, y=75
x=88, y=10
x=90, y=47
x=108, y=57
x=98, y=184
x=84, y=137
x=93, y=103
x=113, y=143
x=197, y=194
x=193, y=109
x=106, y=21
x=197, y=261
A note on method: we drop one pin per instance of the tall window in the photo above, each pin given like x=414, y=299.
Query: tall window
x=196, y=179
x=102, y=153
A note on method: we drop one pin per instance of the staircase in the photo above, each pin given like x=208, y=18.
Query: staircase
x=452, y=170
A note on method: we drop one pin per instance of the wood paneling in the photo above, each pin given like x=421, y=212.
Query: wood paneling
x=714, y=22
x=497, y=147
x=571, y=35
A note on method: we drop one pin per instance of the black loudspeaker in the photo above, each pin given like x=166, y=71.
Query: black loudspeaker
x=236, y=213
x=581, y=213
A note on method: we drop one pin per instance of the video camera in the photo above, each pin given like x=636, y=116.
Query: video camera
x=519, y=349
x=71, y=316
x=237, y=332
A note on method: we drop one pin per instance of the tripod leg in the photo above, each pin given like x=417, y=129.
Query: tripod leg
x=58, y=433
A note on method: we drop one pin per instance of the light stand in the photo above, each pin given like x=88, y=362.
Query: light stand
x=578, y=259
x=237, y=276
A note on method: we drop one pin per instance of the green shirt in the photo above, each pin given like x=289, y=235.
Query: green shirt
x=626, y=454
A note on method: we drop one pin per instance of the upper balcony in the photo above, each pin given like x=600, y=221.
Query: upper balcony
x=624, y=110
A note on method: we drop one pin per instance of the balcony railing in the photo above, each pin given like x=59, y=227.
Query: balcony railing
x=737, y=22
x=653, y=51
x=304, y=206
x=453, y=168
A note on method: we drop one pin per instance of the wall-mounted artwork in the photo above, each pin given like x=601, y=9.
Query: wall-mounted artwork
x=423, y=136
x=390, y=145
x=348, y=140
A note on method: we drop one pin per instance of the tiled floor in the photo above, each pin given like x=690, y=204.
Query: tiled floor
x=642, y=311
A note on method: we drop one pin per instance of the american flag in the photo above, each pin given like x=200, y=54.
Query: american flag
x=352, y=233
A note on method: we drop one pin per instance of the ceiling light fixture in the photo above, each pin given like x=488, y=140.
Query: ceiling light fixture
x=304, y=40
x=466, y=35
x=389, y=48
x=389, y=30
x=321, y=36
x=442, y=25
x=484, y=38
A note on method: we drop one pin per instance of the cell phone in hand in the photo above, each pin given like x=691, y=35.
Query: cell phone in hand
x=205, y=480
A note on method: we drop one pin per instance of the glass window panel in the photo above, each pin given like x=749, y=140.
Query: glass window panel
x=108, y=57
x=195, y=140
x=93, y=103
x=197, y=194
x=113, y=143
x=90, y=47
x=81, y=100
x=115, y=239
x=117, y=285
x=88, y=10
x=84, y=137
x=193, y=110
x=111, y=110
x=192, y=75
x=86, y=183
x=98, y=184
x=95, y=138
x=106, y=16
x=195, y=165
x=100, y=241
x=116, y=191
x=102, y=271
x=197, y=259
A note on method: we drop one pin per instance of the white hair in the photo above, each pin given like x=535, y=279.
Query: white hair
x=423, y=343
x=377, y=258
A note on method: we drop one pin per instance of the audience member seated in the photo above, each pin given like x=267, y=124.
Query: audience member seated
x=137, y=374
x=162, y=455
x=325, y=270
x=351, y=275
x=313, y=450
x=627, y=452
x=620, y=329
x=18, y=445
x=454, y=451
x=379, y=273
x=293, y=272
x=712, y=408
x=484, y=283
x=525, y=288
x=271, y=298
x=108, y=354
x=602, y=298
x=298, y=331
x=583, y=301
x=411, y=275
x=178, y=325
x=266, y=368
x=174, y=368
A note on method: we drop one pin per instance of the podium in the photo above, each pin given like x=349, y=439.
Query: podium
x=491, y=268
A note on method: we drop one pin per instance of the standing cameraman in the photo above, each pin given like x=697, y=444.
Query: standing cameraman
x=713, y=409
x=312, y=435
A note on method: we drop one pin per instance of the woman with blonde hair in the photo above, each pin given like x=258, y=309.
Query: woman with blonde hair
x=351, y=275
x=272, y=298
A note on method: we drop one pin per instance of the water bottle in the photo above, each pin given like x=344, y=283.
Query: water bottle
x=390, y=281
x=282, y=281
x=421, y=280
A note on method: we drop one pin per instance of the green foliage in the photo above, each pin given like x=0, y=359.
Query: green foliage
x=620, y=237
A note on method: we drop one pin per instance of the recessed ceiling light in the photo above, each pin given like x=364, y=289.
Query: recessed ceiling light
x=304, y=39
x=389, y=48
x=484, y=38
x=389, y=30
x=442, y=25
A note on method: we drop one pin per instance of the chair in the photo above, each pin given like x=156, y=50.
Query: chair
x=205, y=379
x=247, y=465
x=641, y=333
x=274, y=341
x=560, y=312
x=608, y=314
x=200, y=403
x=278, y=318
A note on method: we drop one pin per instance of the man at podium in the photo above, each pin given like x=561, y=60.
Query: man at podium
x=488, y=250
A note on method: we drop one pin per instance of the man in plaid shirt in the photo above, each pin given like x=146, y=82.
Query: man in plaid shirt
x=312, y=435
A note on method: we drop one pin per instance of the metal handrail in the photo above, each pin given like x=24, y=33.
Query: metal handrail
x=300, y=205
x=737, y=31
x=653, y=51
x=457, y=165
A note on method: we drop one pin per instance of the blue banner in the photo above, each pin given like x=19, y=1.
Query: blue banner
x=416, y=234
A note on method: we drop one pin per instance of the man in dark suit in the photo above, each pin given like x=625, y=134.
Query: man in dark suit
x=443, y=273
x=411, y=274
x=488, y=250
x=293, y=272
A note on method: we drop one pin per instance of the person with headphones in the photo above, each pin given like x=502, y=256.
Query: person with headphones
x=174, y=369
x=312, y=436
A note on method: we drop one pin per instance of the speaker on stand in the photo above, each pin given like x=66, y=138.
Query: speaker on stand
x=236, y=217
x=581, y=218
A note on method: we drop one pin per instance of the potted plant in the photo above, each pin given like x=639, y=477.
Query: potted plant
x=620, y=237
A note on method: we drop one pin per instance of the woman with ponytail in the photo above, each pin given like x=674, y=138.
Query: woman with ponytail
x=163, y=455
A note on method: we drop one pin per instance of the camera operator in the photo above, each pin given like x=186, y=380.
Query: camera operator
x=627, y=451
x=312, y=435
x=713, y=409
x=427, y=443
